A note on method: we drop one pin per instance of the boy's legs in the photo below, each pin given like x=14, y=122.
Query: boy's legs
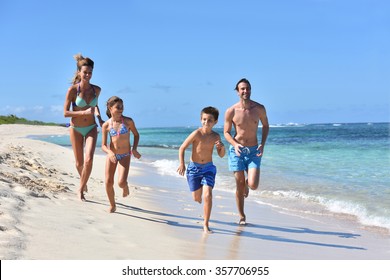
x=197, y=195
x=194, y=179
x=208, y=204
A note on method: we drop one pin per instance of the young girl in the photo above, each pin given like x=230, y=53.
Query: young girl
x=119, y=151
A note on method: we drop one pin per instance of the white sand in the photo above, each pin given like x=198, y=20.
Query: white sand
x=41, y=217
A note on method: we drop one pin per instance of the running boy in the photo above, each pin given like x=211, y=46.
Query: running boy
x=119, y=150
x=201, y=170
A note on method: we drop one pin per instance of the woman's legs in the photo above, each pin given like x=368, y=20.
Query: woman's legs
x=83, y=162
x=90, y=145
x=77, y=141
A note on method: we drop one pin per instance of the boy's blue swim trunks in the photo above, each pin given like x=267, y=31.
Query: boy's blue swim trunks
x=200, y=174
x=247, y=159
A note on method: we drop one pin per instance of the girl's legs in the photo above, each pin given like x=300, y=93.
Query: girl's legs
x=208, y=204
x=123, y=173
x=109, y=181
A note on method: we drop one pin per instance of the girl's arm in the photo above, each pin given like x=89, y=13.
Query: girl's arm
x=105, y=146
x=134, y=130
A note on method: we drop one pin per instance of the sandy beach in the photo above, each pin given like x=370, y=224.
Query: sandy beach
x=42, y=219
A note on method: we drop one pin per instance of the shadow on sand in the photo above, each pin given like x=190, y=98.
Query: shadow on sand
x=248, y=231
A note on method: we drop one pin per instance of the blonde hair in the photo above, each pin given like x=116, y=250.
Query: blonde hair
x=81, y=61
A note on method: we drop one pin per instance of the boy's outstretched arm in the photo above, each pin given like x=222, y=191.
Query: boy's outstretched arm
x=182, y=167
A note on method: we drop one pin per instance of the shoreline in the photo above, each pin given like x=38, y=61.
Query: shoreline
x=42, y=217
x=284, y=186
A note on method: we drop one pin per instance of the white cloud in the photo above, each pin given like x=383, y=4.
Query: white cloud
x=57, y=109
x=38, y=109
x=7, y=110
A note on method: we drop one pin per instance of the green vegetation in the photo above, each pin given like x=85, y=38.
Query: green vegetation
x=12, y=119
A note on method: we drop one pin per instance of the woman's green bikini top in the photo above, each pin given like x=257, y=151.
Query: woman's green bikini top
x=80, y=102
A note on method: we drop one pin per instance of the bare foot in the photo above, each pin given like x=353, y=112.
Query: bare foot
x=86, y=188
x=112, y=209
x=246, y=191
x=126, y=191
x=206, y=229
x=81, y=196
x=242, y=221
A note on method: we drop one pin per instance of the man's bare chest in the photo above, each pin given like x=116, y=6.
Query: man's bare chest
x=244, y=117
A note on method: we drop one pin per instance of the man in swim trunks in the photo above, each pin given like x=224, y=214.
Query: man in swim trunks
x=245, y=152
x=201, y=171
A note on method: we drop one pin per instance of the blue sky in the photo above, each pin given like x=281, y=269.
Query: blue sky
x=309, y=61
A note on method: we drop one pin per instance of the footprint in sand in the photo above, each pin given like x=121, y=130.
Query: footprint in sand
x=229, y=213
x=188, y=207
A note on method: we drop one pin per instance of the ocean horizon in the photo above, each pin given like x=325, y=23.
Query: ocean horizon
x=334, y=169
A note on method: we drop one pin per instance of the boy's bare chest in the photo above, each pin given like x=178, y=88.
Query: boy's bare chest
x=206, y=140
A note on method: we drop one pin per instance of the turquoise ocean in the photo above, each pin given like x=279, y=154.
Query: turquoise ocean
x=340, y=170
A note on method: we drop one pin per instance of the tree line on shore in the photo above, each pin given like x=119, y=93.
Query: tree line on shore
x=12, y=119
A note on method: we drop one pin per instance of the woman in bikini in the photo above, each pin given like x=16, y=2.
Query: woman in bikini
x=81, y=105
x=119, y=150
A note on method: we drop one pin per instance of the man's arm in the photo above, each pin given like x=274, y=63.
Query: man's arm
x=264, y=131
x=227, y=127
